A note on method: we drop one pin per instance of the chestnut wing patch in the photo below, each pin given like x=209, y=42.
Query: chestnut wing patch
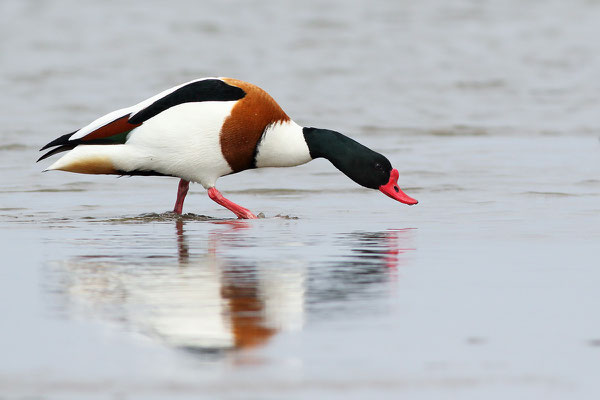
x=114, y=132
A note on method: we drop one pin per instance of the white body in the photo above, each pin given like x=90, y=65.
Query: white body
x=184, y=141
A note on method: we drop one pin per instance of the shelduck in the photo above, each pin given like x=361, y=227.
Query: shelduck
x=208, y=128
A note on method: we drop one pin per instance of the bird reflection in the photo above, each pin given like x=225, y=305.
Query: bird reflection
x=373, y=259
x=213, y=302
x=244, y=303
x=183, y=250
x=378, y=247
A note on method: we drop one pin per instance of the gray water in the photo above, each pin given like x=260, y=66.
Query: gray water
x=488, y=288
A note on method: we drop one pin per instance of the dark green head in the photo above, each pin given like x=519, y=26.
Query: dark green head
x=361, y=164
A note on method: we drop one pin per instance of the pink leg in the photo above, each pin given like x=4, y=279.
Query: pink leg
x=181, y=192
x=240, y=211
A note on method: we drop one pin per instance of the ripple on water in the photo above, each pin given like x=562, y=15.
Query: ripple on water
x=13, y=146
x=171, y=216
x=53, y=190
x=162, y=217
x=589, y=182
x=72, y=187
x=550, y=194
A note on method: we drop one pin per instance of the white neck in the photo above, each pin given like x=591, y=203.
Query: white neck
x=282, y=145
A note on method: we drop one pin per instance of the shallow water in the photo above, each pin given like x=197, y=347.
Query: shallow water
x=486, y=289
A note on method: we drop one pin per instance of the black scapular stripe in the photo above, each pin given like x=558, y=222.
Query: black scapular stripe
x=204, y=90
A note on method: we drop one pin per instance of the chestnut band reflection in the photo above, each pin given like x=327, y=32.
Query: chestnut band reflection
x=214, y=302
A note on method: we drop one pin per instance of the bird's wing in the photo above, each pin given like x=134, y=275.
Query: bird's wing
x=114, y=127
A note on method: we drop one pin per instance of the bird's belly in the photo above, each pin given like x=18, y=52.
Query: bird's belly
x=184, y=141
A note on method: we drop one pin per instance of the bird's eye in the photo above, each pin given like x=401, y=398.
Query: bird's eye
x=378, y=167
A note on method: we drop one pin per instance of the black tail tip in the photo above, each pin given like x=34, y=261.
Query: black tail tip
x=64, y=139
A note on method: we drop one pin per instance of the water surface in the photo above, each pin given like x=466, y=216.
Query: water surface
x=486, y=289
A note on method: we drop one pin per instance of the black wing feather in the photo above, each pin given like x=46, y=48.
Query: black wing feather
x=64, y=139
x=204, y=90
x=59, y=149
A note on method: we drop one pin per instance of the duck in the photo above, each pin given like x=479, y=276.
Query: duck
x=207, y=128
